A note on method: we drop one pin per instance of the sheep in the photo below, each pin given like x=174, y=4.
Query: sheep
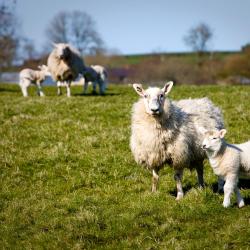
x=79, y=80
x=228, y=161
x=30, y=76
x=96, y=74
x=163, y=132
x=65, y=64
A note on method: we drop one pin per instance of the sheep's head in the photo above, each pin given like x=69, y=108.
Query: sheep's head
x=213, y=139
x=62, y=50
x=153, y=97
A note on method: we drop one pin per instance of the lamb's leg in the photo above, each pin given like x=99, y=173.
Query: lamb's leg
x=101, y=87
x=199, y=171
x=178, y=178
x=24, y=87
x=68, y=89
x=24, y=91
x=240, y=200
x=155, y=180
x=39, y=89
x=231, y=182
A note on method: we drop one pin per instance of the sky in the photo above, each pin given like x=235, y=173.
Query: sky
x=145, y=26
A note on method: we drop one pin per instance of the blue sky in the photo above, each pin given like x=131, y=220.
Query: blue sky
x=144, y=26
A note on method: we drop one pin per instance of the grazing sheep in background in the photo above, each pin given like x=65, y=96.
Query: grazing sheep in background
x=229, y=162
x=65, y=64
x=96, y=74
x=167, y=132
x=30, y=76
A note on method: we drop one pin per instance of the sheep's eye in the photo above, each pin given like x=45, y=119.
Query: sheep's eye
x=145, y=96
x=214, y=138
x=161, y=96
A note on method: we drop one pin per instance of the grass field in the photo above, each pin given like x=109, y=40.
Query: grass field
x=69, y=181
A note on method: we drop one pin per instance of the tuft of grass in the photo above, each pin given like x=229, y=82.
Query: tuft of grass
x=69, y=181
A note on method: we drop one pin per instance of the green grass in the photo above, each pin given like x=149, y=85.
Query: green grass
x=69, y=181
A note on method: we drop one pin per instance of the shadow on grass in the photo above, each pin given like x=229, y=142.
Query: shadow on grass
x=2, y=89
x=96, y=94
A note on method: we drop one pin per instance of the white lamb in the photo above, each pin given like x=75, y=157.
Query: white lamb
x=30, y=76
x=96, y=74
x=65, y=64
x=229, y=162
x=167, y=132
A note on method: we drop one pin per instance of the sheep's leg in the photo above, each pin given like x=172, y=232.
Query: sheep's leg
x=240, y=200
x=199, y=171
x=39, y=89
x=94, y=87
x=85, y=86
x=178, y=178
x=155, y=180
x=59, y=88
x=231, y=182
x=220, y=184
x=68, y=89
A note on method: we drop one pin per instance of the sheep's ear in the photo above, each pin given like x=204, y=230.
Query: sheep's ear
x=138, y=88
x=202, y=130
x=167, y=87
x=222, y=133
x=54, y=44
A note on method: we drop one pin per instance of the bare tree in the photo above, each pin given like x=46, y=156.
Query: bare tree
x=8, y=34
x=198, y=38
x=77, y=28
x=58, y=29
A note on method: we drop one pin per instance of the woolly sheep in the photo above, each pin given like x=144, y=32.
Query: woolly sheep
x=30, y=76
x=96, y=74
x=65, y=64
x=167, y=132
x=229, y=162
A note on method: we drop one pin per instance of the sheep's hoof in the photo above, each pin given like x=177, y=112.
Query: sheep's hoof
x=241, y=204
x=179, y=196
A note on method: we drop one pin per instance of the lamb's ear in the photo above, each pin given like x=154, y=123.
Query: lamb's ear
x=222, y=133
x=138, y=88
x=167, y=87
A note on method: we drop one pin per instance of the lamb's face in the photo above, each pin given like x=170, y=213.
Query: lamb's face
x=153, y=97
x=213, y=140
x=63, y=50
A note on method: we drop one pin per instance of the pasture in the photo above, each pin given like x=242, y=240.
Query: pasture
x=69, y=181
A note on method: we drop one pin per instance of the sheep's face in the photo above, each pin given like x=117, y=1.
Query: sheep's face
x=213, y=140
x=63, y=50
x=153, y=97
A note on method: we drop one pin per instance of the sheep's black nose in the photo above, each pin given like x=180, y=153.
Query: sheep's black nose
x=155, y=110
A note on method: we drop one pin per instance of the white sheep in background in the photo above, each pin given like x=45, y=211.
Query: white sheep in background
x=96, y=74
x=167, y=132
x=65, y=64
x=229, y=162
x=30, y=76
